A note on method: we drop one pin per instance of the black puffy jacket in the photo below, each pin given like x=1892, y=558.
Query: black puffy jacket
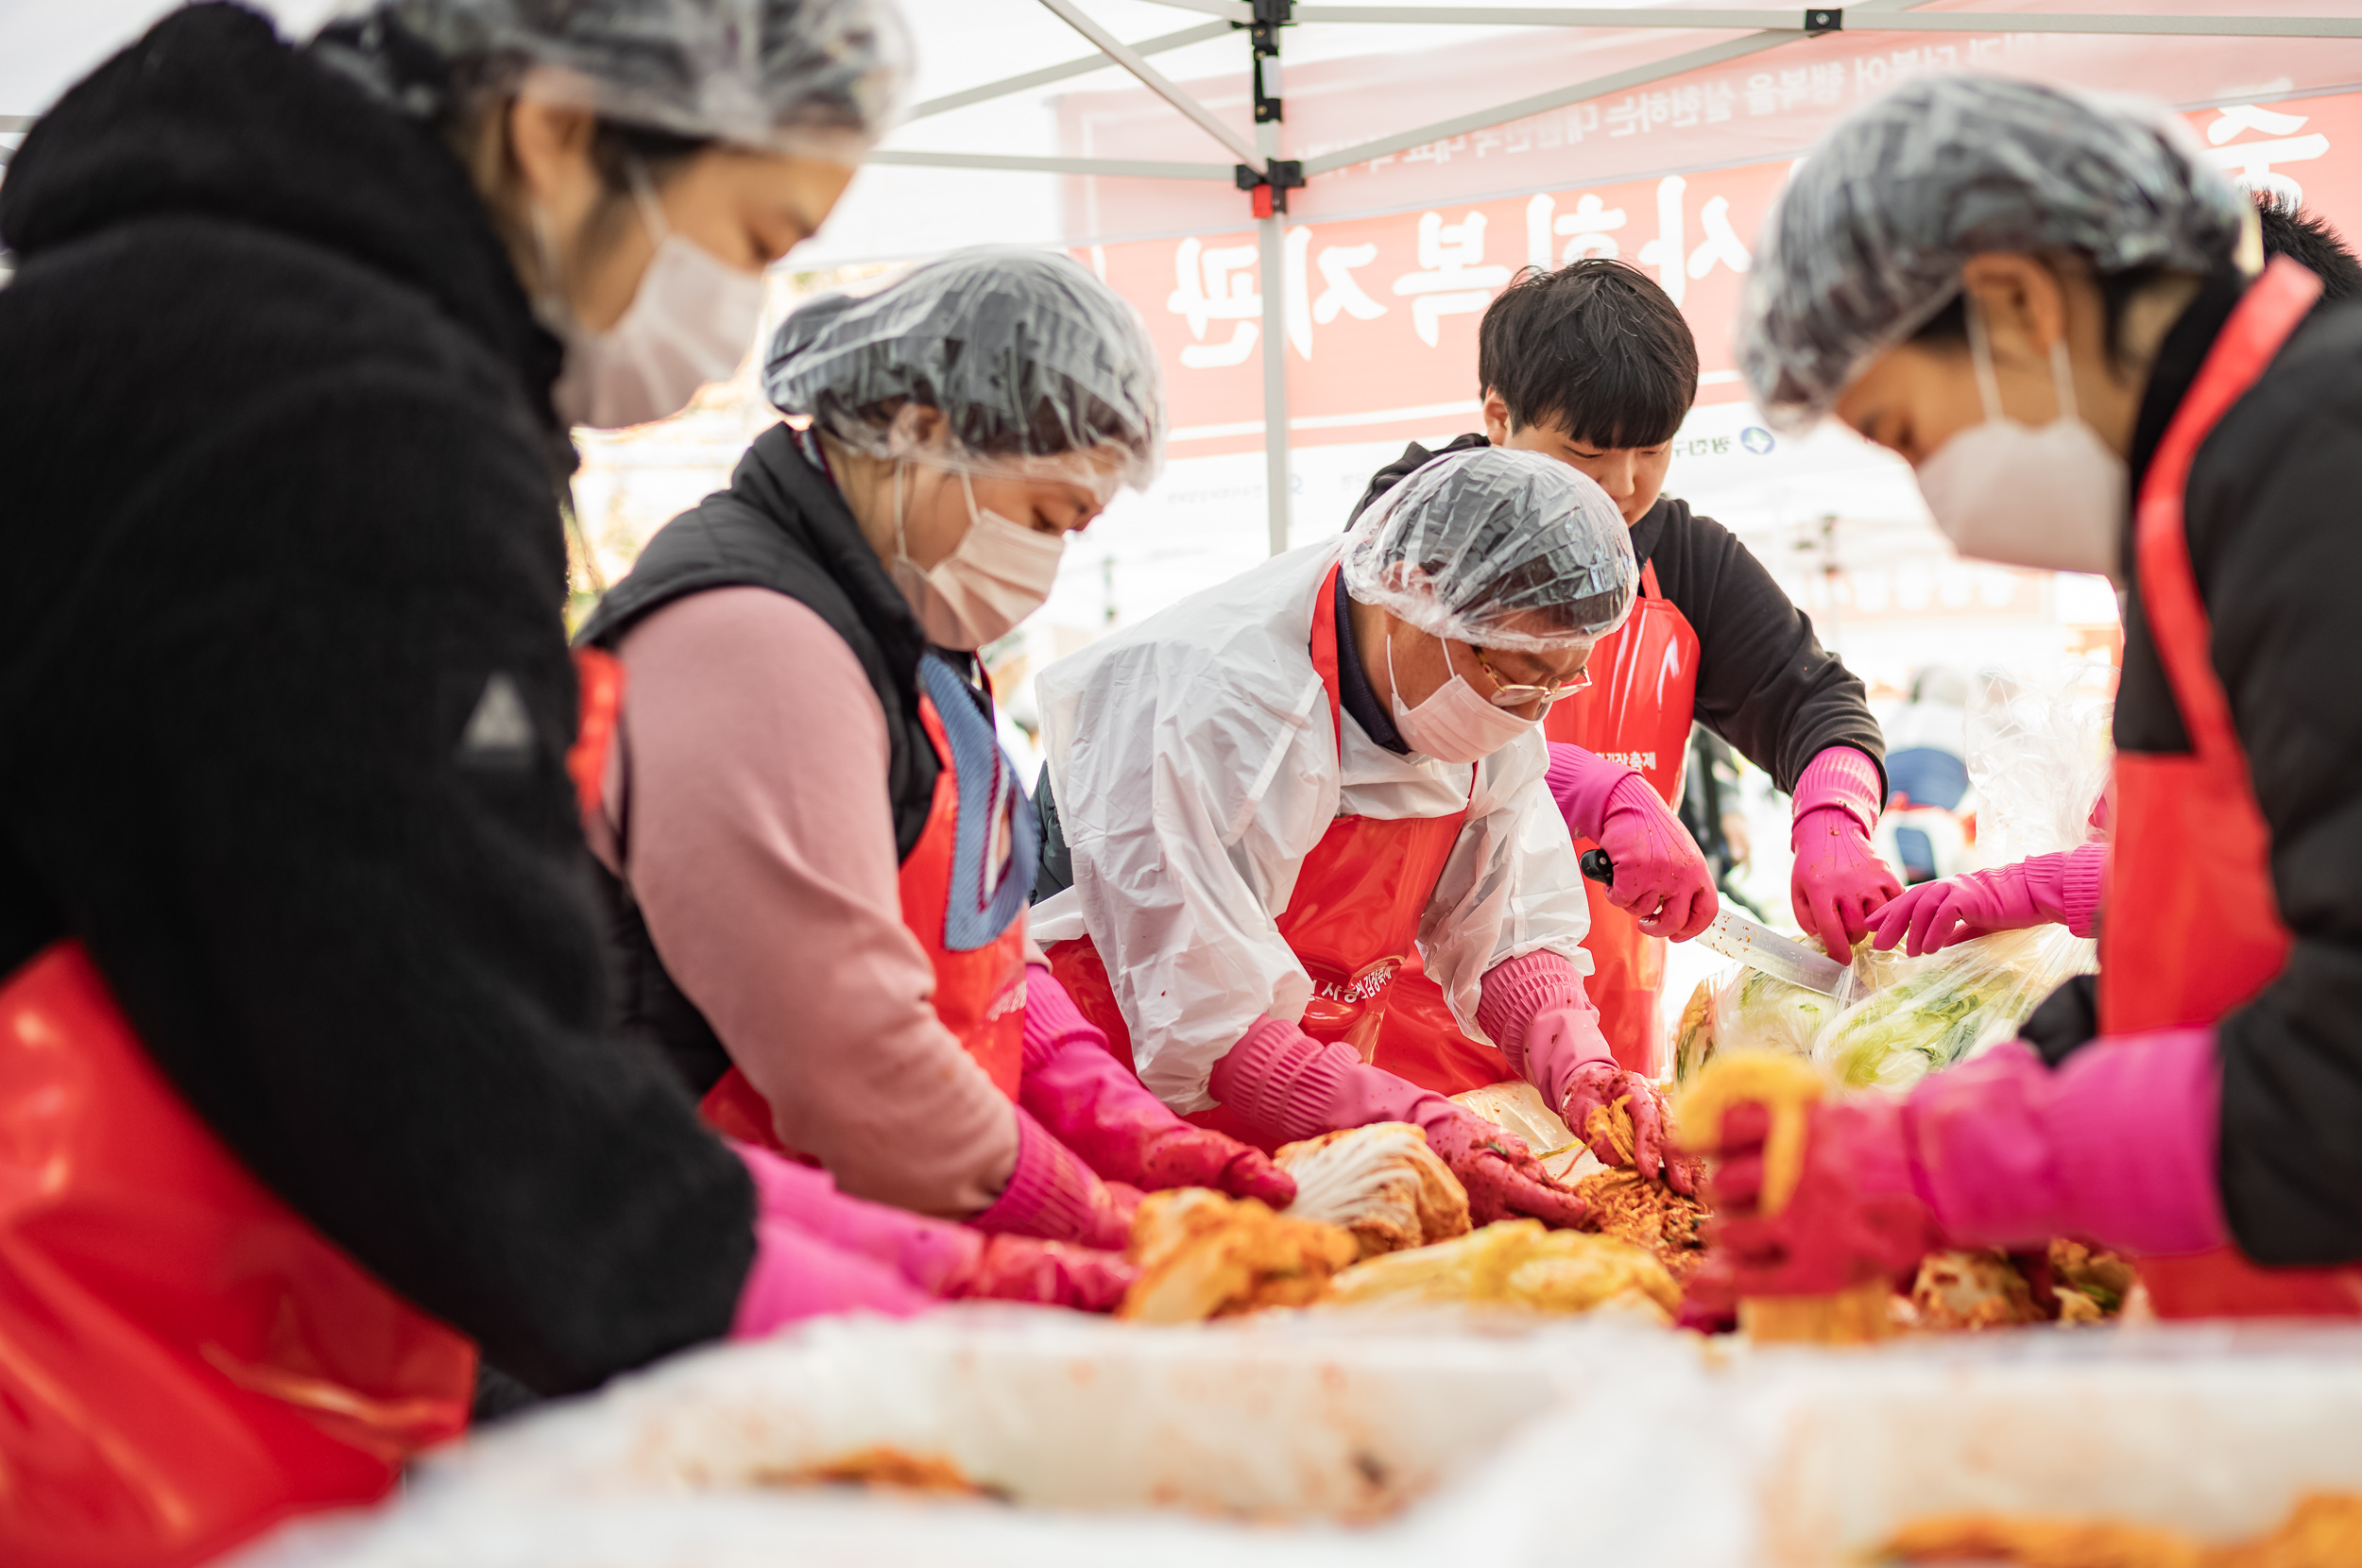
x=284, y=696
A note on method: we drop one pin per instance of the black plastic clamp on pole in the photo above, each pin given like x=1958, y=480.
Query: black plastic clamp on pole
x=1271, y=194
x=1263, y=37
x=1819, y=20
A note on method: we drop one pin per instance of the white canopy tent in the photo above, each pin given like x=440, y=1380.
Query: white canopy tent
x=1121, y=130
x=1268, y=165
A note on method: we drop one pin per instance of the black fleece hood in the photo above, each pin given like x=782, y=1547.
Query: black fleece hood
x=212, y=115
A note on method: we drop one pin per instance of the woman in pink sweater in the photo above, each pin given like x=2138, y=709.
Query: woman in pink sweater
x=817, y=856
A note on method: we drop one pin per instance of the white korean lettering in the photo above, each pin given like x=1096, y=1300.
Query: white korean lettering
x=1670, y=251
x=1722, y=243
x=1343, y=295
x=2249, y=163
x=1454, y=281
x=1589, y=230
x=1215, y=285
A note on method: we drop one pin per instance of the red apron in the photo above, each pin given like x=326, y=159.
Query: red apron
x=1352, y=921
x=1638, y=711
x=2189, y=937
x=184, y=1361
x=963, y=887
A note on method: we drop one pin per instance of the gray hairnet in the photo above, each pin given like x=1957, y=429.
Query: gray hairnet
x=1865, y=245
x=817, y=78
x=1499, y=548
x=1040, y=369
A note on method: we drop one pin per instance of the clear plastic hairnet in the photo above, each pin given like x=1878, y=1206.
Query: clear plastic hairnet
x=1866, y=243
x=817, y=78
x=1498, y=548
x=1040, y=369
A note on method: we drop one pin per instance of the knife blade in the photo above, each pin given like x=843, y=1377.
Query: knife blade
x=1757, y=947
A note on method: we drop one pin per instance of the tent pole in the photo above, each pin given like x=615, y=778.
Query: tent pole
x=1272, y=241
x=1272, y=238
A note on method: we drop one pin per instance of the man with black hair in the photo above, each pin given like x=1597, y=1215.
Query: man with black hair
x=2290, y=230
x=1593, y=365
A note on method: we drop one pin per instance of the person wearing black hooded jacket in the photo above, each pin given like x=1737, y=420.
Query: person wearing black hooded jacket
x=285, y=709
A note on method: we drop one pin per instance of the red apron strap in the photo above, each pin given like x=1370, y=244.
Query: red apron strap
x=1648, y=581
x=2270, y=311
x=599, y=677
x=1323, y=651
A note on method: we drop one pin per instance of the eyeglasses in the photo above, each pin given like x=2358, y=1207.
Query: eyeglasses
x=1510, y=694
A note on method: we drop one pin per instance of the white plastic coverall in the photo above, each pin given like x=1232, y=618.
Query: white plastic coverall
x=1194, y=768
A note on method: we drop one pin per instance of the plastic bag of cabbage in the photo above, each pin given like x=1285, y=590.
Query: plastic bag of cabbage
x=1943, y=1008
x=1902, y=1018
x=1744, y=1009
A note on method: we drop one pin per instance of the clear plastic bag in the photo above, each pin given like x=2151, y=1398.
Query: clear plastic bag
x=1929, y=1012
x=2039, y=757
x=1742, y=1010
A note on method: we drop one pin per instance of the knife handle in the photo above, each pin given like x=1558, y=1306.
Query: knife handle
x=1597, y=866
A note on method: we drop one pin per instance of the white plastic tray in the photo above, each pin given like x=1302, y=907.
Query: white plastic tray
x=1304, y=1441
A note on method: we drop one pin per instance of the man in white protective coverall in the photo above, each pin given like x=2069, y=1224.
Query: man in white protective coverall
x=1270, y=792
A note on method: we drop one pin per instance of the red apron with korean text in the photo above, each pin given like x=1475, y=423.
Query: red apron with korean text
x=2193, y=928
x=1352, y=921
x=963, y=887
x=1638, y=711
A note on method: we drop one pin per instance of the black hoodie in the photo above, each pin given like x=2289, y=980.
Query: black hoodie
x=284, y=696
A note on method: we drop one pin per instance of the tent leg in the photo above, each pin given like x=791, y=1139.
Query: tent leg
x=1272, y=237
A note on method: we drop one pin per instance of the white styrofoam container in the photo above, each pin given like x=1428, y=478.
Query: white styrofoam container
x=1296, y=1440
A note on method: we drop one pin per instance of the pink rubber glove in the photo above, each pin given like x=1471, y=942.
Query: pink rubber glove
x=1287, y=1085
x=2117, y=1146
x=1853, y=1218
x=1076, y=1088
x=1535, y=1009
x=1660, y=875
x=796, y=1275
x=931, y=1258
x=2043, y=889
x=1838, y=883
x=1054, y=1195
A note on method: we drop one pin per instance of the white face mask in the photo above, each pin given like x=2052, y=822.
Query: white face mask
x=690, y=322
x=2047, y=496
x=1455, y=723
x=1001, y=572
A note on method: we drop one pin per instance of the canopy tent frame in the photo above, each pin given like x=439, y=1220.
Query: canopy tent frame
x=1267, y=177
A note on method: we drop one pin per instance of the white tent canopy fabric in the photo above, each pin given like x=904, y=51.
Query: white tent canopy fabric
x=1366, y=88
x=1443, y=146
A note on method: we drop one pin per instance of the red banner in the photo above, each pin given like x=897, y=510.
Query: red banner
x=1380, y=314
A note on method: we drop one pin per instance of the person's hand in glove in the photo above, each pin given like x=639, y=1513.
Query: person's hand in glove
x=1074, y=1086
x=2043, y=889
x=1815, y=1195
x=818, y=1251
x=1660, y=875
x=1285, y=1085
x=1838, y=881
x=1597, y=1086
x=1810, y=1196
x=1041, y=1273
x=1052, y=1194
x=1503, y=1179
x=1535, y=1011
